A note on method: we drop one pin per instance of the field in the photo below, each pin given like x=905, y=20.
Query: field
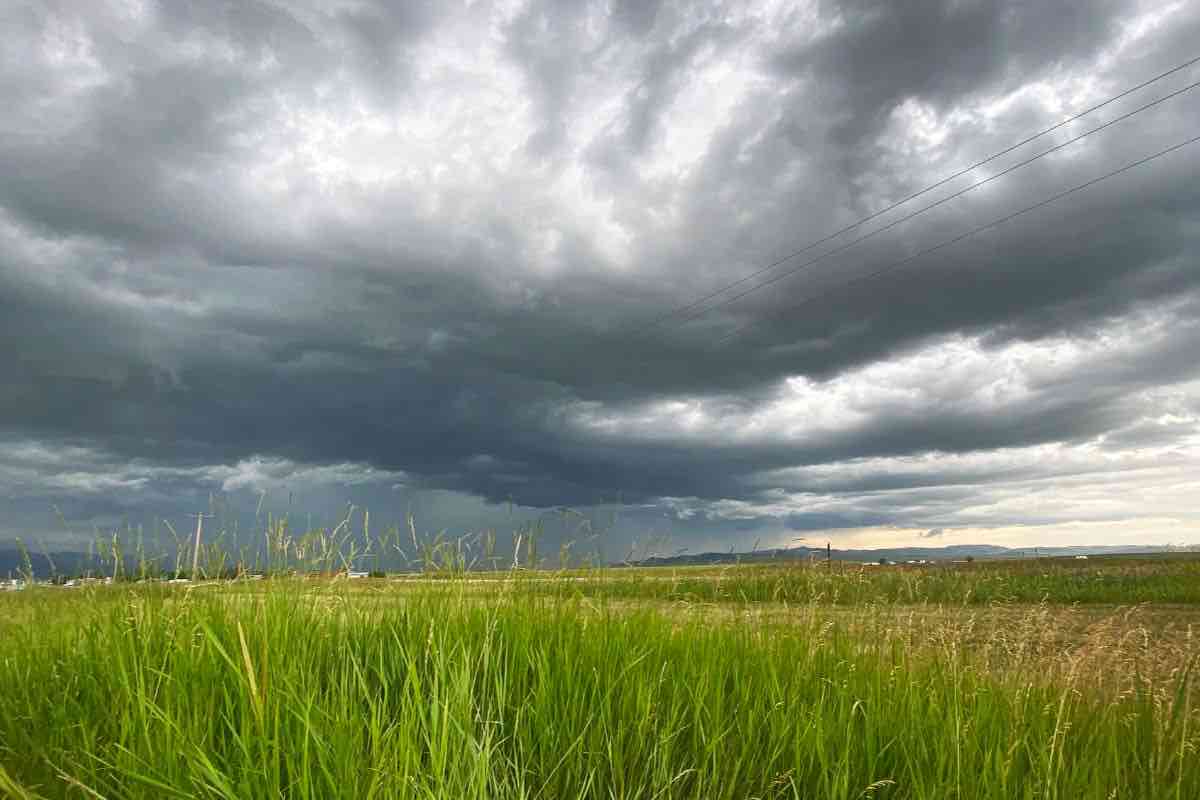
x=1036, y=679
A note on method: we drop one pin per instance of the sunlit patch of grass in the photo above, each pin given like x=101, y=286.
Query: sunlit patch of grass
x=1112, y=582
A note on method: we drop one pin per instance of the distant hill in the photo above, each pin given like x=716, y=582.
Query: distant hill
x=45, y=565
x=896, y=554
x=12, y=563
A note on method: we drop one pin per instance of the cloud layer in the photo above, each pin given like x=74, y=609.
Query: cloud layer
x=349, y=248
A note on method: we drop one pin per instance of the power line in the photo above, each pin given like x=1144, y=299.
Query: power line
x=900, y=221
x=695, y=304
x=947, y=243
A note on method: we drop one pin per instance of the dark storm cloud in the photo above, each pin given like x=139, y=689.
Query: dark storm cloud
x=884, y=53
x=420, y=237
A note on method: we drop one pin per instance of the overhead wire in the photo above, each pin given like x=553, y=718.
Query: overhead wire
x=900, y=221
x=955, y=240
x=767, y=268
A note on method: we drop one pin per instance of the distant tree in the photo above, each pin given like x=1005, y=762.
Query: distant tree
x=970, y=559
x=883, y=562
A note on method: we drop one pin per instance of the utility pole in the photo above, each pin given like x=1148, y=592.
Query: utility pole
x=196, y=550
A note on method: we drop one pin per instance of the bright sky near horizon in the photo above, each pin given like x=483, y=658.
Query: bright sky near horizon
x=397, y=254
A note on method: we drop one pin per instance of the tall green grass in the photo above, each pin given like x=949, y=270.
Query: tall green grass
x=311, y=693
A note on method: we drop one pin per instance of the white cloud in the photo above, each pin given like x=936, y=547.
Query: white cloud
x=958, y=376
x=265, y=474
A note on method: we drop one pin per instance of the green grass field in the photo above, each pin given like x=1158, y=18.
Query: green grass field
x=1102, y=580
x=987, y=681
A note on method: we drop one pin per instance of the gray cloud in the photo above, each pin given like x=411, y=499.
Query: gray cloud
x=418, y=241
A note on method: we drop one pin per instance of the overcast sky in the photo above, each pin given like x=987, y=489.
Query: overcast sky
x=405, y=256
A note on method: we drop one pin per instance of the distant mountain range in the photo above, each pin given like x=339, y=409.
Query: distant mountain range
x=13, y=561
x=956, y=552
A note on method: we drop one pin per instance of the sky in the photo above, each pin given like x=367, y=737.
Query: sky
x=421, y=258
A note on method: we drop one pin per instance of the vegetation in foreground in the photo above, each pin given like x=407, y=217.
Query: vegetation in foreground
x=310, y=691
